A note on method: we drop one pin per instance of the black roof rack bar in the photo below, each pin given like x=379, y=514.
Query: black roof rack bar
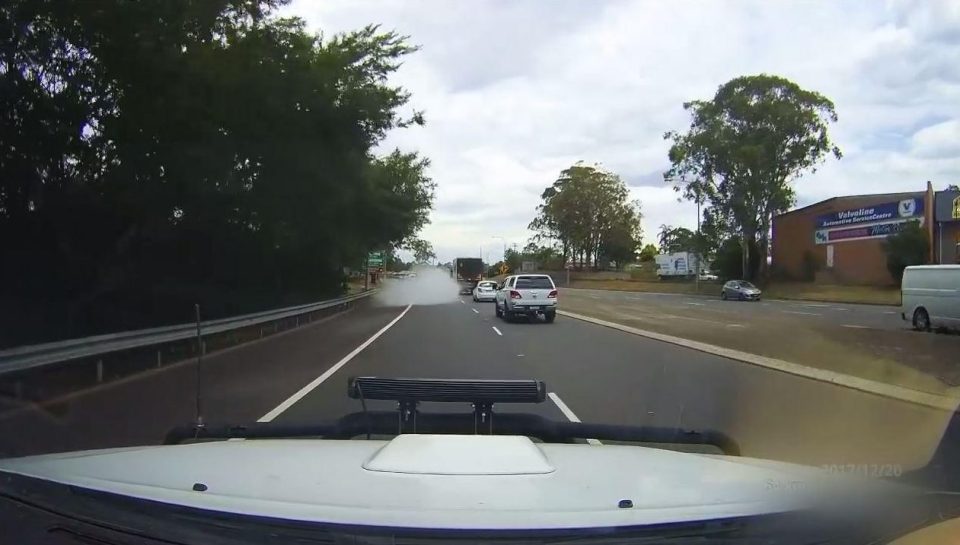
x=447, y=390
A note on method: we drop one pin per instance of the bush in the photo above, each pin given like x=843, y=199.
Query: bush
x=908, y=247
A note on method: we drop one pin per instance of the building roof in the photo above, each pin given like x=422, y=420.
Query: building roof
x=891, y=196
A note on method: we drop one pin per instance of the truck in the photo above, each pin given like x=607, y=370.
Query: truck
x=468, y=271
x=677, y=265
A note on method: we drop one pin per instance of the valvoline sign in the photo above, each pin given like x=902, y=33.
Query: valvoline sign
x=905, y=209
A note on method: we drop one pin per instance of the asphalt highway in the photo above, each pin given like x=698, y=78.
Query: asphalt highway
x=593, y=373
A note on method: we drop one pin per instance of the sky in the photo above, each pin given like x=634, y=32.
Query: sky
x=515, y=91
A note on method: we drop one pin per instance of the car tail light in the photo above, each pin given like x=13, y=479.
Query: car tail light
x=552, y=294
x=515, y=294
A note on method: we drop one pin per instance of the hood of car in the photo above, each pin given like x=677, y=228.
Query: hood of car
x=426, y=481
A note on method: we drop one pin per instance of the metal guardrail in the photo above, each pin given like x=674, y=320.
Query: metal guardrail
x=28, y=357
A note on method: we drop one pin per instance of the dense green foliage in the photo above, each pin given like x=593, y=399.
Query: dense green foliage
x=546, y=258
x=908, y=247
x=648, y=253
x=743, y=149
x=676, y=239
x=161, y=153
x=728, y=263
x=588, y=216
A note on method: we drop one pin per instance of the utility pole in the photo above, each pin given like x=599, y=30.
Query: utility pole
x=697, y=245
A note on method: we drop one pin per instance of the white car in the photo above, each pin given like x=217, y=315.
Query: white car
x=486, y=290
x=708, y=276
x=527, y=294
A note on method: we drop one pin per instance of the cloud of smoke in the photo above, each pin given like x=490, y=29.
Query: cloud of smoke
x=429, y=286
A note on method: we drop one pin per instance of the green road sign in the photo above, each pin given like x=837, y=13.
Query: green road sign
x=374, y=259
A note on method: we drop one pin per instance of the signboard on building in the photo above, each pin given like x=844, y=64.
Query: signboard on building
x=907, y=208
x=877, y=221
x=947, y=206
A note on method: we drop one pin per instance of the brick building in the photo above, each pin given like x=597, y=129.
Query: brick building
x=841, y=238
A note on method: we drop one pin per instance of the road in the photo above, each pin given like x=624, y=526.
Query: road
x=866, y=341
x=596, y=373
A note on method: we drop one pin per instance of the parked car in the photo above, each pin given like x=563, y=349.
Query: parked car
x=708, y=276
x=485, y=291
x=527, y=294
x=930, y=296
x=740, y=289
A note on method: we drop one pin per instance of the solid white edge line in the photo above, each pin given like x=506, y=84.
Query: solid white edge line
x=336, y=367
x=571, y=416
x=497, y=330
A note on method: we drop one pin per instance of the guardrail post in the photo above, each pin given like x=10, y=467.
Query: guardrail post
x=159, y=359
x=99, y=370
x=261, y=332
x=298, y=321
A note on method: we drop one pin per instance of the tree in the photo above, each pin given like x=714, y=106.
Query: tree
x=676, y=239
x=648, y=253
x=158, y=154
x=587, y=213
x=910, y=246
x=422, y=251
x=728, y=263
x=745, y=147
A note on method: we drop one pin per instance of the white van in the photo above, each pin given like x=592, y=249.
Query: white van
x=930, y=296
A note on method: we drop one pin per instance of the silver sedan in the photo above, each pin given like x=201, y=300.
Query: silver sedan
x=740, y=289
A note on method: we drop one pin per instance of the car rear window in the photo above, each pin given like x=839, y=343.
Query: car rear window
x=534, y=282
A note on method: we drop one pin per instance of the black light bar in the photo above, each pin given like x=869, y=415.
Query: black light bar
x=447, y=390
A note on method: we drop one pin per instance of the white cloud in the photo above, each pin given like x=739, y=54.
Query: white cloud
x=516, y=91
x=940, y=140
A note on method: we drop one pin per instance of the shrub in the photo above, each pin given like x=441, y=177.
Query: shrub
x=908, y=247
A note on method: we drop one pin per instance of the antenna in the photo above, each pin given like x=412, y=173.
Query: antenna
x=200, y=351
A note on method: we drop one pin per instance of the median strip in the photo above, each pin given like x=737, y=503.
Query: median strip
x=822, y=375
